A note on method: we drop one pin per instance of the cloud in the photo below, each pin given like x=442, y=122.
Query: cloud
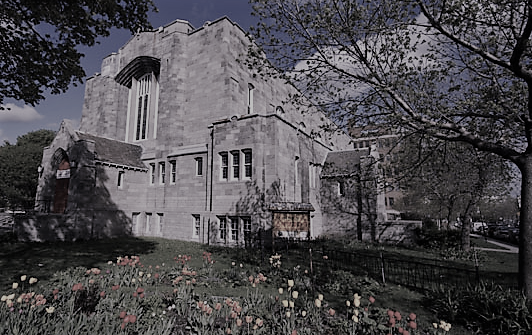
x=14, y=113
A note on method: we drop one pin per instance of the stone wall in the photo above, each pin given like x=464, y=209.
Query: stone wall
x=199, y=108
x=73, y=226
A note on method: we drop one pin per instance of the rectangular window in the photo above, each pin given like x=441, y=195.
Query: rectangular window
x=120, y=181
x=148, y=223
x=296, y=170
x=236, y=164
x=341, y=188
x=223, y=227
x=135, y=223
x=247, y=163
x=152, y=173
x=224, y=165
x=234, y=228
x=162, y=172
x=251, y=89
x=196, y=225
x=246, y=223
x=199, y=166
x=311, y=176
x=173, y=172
x=160, y=222
x=143, y=97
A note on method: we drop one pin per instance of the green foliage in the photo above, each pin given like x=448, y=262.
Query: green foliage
x=447, y=180
x=457, y=71
x=128, y=296
x=486, y=309
x=18, y=168
x=447, y=244
x=434, y=239
x=40, y=38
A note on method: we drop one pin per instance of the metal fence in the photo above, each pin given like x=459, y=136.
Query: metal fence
x=422, y=274
x=417, y=273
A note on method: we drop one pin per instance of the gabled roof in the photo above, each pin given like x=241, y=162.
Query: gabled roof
x=343, y=163
x=115, y=152
x=291, y=207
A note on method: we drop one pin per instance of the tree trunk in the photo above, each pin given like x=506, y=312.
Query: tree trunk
x=466, y=231
x=525, y=229
x=359, y=207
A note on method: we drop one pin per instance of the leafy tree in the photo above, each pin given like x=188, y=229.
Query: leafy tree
x=502, y=209
x=18, y=168
x=457, y=70
x=38, y=41
x=450, y=179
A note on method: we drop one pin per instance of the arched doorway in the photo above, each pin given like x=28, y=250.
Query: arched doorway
x=62, y=180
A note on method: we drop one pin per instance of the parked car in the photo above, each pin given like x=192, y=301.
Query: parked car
x=480, y=227
x=502, y=233
x=492, y=227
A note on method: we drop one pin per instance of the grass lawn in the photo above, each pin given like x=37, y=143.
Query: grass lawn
x=488, y=260
x=43, y=260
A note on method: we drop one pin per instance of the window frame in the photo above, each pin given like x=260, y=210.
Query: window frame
x=296, y=171
x=142, y=104
x=247, y=226
x=120, y=181
x=341, y=187
x=162, y=173
x=199, y=166
x=173, y=171
x=251, y=90
x=152, y=173
x=147, y=228
x=224, y=165
x=135, y=223
x=222, y=228
x=234, y=228
x=248, y=165
x=160, y=223
x=235, y=165
x=196, y=225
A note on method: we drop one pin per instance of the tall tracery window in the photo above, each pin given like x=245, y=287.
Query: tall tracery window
x=143, y=106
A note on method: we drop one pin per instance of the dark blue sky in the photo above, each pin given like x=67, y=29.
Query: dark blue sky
x=49, y=113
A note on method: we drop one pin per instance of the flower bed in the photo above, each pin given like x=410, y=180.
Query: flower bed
x=129, y=297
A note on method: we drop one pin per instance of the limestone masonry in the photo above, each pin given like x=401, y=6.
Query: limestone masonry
x=179, y=139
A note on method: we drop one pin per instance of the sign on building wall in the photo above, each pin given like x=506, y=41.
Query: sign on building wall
x=291, y=224
x=62, y=174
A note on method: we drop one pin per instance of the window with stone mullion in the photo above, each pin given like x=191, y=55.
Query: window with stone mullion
x=143, y=106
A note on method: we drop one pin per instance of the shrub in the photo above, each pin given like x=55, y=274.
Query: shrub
x=438, y=239
x=485, y=308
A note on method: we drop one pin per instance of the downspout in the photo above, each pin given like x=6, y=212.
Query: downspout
x=210, y=186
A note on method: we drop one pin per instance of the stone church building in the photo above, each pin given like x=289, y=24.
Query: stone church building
x=179, y=139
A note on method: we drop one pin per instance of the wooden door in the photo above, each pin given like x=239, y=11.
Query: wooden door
x=62, y=181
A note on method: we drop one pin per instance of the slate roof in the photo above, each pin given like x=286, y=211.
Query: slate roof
x=343, y=163
x=115, y=152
